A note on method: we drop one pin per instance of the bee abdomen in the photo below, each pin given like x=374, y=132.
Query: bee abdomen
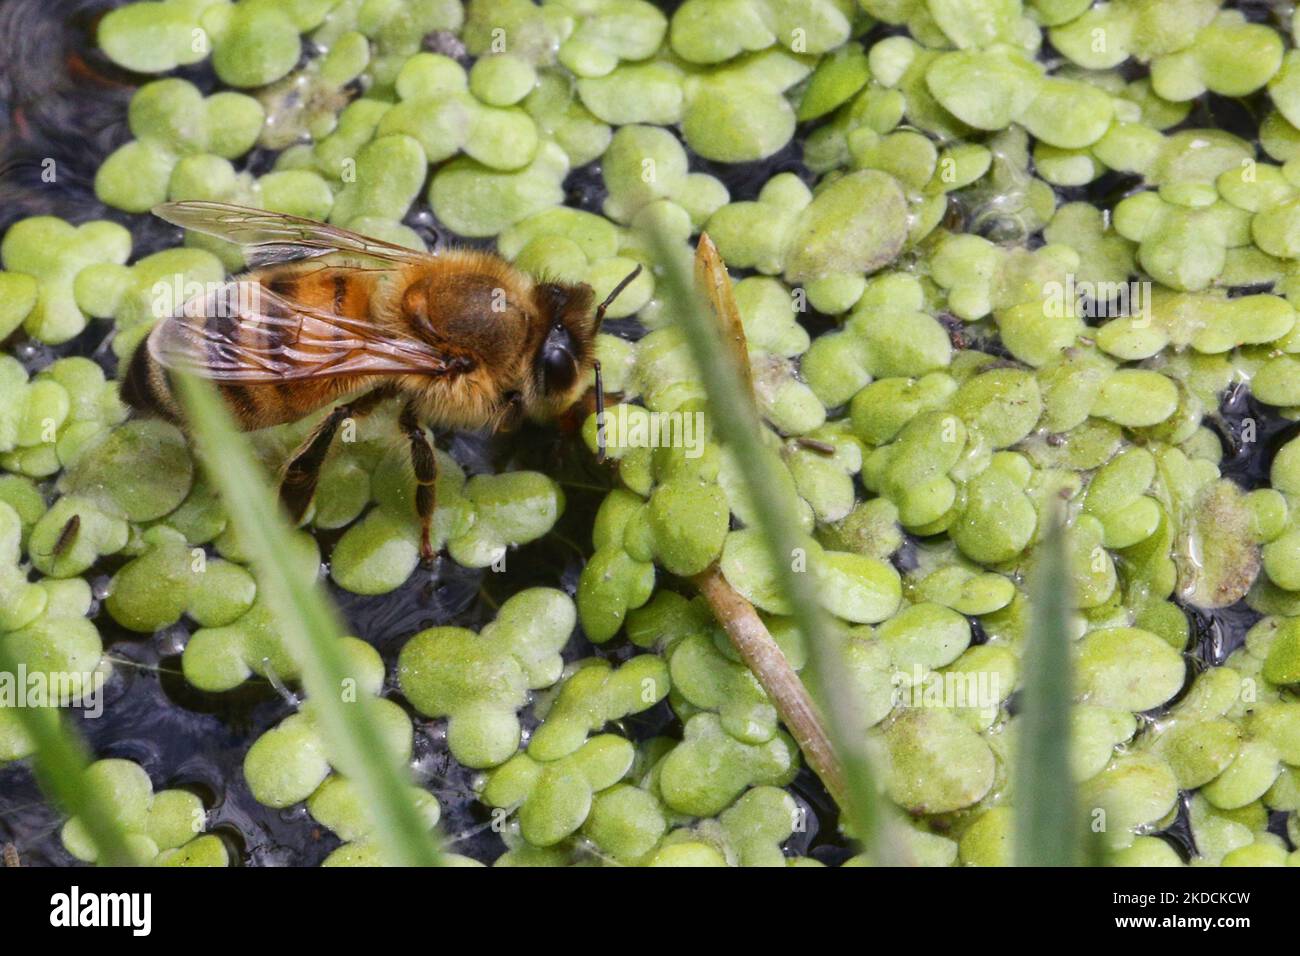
x=145, y=387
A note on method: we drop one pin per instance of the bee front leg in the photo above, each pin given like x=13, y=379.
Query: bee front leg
x=425, y=464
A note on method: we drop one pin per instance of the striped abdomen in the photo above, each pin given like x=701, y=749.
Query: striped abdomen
x=258, y=326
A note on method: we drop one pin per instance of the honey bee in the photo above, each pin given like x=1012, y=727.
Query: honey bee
x=328, y=316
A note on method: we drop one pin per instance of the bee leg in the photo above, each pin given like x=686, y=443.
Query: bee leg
x=300, y=476
x=298, y=485
x=425, y=464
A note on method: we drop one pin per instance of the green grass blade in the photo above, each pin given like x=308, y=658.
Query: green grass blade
x=60, y=761
x=310, y=629
x=736, y=422
x=1048, y=831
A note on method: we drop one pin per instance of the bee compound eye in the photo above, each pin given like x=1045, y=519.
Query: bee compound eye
x=558, y=369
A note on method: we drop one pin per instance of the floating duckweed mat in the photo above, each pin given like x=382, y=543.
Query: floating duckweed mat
x=994, y=260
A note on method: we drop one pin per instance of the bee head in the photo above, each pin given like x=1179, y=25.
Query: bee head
x=568, y=347
x=568, y=350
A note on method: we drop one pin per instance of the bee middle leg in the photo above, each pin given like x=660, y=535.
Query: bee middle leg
x=425, y=464
x=298, y=485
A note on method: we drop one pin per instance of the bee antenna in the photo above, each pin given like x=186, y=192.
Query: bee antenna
x=609, y=299
x=600, y=413
x=600, y=383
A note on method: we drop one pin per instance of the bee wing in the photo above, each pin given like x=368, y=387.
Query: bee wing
x=275, y=237
x=268, y=338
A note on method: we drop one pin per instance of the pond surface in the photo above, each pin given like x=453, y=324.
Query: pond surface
x=63, y=106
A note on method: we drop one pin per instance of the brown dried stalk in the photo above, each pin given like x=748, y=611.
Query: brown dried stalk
x=761, y=654
x=749, y=635
x=714, y=283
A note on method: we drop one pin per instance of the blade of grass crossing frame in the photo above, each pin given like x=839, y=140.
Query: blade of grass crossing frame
x=1048, y=830
x=310, y=629
x=60, y=761
x=737, y=423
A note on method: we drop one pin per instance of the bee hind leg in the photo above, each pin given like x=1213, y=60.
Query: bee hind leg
x=298, y=484
x=425, y=464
